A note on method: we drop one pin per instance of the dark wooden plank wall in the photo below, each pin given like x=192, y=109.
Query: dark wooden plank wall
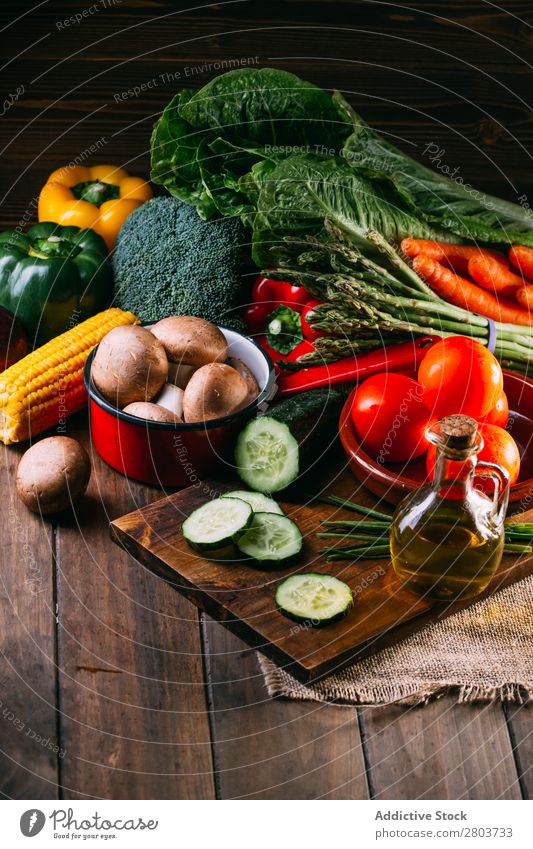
x=128, y=706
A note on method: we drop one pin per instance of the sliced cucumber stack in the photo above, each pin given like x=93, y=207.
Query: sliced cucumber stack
x=313, y=598
x=266, y=455
x=258, y=502
x=217, y=524
x=271, y=538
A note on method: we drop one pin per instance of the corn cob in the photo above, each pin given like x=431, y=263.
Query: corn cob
x=46, y=386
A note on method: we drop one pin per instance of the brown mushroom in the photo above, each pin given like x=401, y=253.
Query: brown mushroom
x=130, y=365
x=53, y=474
x=151, y=412
x=214, y=390
x=247, y=373
x=191, y=340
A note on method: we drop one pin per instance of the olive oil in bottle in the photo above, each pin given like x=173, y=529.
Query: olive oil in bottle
x=447, y=538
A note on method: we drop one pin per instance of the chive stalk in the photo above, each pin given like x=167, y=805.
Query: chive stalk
x=366, y=537
x=351, y=505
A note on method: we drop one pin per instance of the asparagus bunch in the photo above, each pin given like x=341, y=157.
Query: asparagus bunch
x=369, y=538
x=372, y=297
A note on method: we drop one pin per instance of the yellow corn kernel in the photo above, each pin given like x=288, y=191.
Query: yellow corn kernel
x=46, y=386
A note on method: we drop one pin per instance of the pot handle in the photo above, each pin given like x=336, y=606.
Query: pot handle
x=267, y=401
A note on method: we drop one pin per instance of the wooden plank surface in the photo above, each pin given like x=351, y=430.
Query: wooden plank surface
x=274, y=749
x=456, y=74
x=241, y=594
x=29, y=745
x=520, y=721
x=134, y=720
x=441, y=751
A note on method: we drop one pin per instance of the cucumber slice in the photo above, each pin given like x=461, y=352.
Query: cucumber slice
x=266, y=455
x=217, y=524
x=314, y=598
x=271, y=538
x=258, y=502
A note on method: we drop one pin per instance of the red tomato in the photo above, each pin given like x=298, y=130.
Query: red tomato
x=499, y=415
x=390, y=417
x=460, y=375
x=498, y=447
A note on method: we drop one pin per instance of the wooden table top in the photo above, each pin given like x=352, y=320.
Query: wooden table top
x=111, y=685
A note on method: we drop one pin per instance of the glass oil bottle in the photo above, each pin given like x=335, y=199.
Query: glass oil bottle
x=447, y=538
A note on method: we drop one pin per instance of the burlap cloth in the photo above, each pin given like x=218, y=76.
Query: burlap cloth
x=482, y=653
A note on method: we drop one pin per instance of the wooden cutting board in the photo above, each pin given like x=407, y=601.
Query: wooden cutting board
x=242, y=597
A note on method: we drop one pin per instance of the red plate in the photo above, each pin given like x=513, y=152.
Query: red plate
x=391, y=481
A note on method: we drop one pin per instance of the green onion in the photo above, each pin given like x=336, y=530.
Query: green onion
x=366, y=537
x=362, y=537
x=351, y=505
x=374, y=552
x=363, y=527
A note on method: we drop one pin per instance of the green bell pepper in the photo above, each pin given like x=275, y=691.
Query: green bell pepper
x=53, y=277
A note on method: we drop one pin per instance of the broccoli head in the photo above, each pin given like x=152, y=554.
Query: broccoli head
x=167, y=261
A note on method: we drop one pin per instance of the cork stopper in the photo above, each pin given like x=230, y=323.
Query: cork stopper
x=458, y=432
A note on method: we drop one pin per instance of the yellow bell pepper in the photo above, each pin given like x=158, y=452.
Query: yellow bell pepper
x=100, y=198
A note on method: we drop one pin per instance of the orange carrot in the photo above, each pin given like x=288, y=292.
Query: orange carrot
x=456, y=256
x=524, y=296
x=463, y=293
x=522, y=259
x=494, y=275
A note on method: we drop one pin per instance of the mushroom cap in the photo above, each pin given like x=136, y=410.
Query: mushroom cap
x=53, y=474
x=191, y=340
x=247, y=373
x=130, y=365
x=151, y=412
x=215, y=390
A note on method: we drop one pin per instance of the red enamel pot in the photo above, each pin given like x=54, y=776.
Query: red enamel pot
x=176, y=455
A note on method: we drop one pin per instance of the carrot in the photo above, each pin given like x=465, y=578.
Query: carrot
x=463, y=293
x=524, y=296
x=494, y=275
x=522, y=259
x=456, y=256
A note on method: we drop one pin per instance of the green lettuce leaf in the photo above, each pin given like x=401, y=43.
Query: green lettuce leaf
x=451, y=203
x=205, y=141
x=297, y=195
x=283, y=155
x=170, y=158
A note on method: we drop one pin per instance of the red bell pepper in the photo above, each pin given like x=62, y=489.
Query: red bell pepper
x=267, y=295
x=302, y=348
x=255, y=316
x=268, y=314
x=13, y=344
x=275, y=293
